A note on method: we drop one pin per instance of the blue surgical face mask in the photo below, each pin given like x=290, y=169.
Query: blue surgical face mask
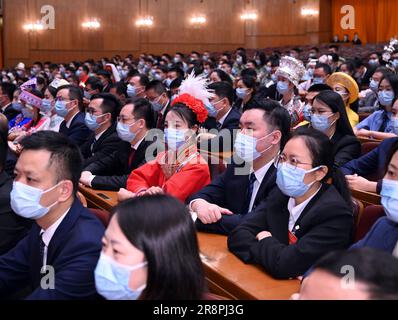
x=268, y=69
x=389, y=199
x=318, y=80
x=307, y=112
x=87, y=95
x=91, y=121
x=61, y=109
x=373, y=62
x=290, y=180
x=156, y=105
x=386, y=97
x=282, y=87
x=373, y=85
x=132, y=91
x=395, y=124
x=124, y=133
x=168, y=82
x=17, y=106
x=158, y=77
x=241, y=93
x=246, y=147
x=395, y=63
x=174, y=138
x=112, y=279
x=46, y=106
x=25, y=201
x=27, y=113
x=78, y=73
x=211, y=108
x=321, y=122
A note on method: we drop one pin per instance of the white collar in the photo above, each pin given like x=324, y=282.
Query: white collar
x=5, y=107
x=164, y=108
x=49, y=232
x=68, y=124
x=295, y=211
x=136, y=146
x=260, y=173
x=97, y=136
x=225, y=116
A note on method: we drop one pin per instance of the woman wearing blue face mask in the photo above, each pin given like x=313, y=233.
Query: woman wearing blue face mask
x=289, y=74
x=381, y=124
x=384, y=233
x=146, y=257
x=329, y=115
x=245, y=91
x=180, y=170
x=31, y=111
x=307, y=216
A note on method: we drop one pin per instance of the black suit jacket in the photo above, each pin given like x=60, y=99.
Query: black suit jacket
x=10, y=112
x=107, y=144
x=230, y=124
x=168, y=107
x=325, y=225
x=113, y=171
x=345, y=149
x=12, y=227
x=229, y=190
x=73, y=253
x=78, y=131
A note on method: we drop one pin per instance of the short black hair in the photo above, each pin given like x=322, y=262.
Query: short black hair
x=65, y=155
x=95, y=83
x=85, y=68
x=74, y=93
x=143, y=110
x=275, y=116
x=223, y=90
x=326, y=68
x=105, y=74
x=334, y=46
x=144, y=80
x=176, y=83
x=319, y=87
x=110, y=104
x=8, y=89
x=157, y=86
x=375, y=268
x=223, y=76
x=121, y=88
x=249, y=72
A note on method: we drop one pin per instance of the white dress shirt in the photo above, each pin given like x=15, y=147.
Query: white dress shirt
x=260, y=174
x=49, y=233
x=221, y=121
x=296, y=211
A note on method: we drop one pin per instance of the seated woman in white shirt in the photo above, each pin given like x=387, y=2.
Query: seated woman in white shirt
x=305, y=217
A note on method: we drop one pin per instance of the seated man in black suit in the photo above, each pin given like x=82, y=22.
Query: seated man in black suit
x=6, y=97
x=226, y=119
x=69, y=106
x=112, y=172
x=157, y=94
x=227, y=201
x=57, y=259
x=101, y=117
x=12, y=227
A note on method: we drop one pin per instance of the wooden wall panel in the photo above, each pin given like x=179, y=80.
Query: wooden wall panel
x=280, y=23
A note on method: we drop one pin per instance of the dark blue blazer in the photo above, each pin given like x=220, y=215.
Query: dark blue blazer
x=229, y=190
x=73, y=253
x=78, y=131
x=373, y=163
x=383, y=236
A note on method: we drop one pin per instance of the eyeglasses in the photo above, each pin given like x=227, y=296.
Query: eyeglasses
x=124, y=121
x=281, y=158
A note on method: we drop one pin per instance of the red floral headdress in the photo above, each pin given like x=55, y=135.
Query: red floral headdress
x=194, y=94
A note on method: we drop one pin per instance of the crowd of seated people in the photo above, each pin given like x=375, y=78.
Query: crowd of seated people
x=288, y=130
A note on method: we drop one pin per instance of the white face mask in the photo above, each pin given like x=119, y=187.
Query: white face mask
x=25, y=201
x=246, y=147
x=112, y=279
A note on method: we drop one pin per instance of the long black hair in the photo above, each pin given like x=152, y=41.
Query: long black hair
x=321, y=149
x=334, y=101
x=162, y=228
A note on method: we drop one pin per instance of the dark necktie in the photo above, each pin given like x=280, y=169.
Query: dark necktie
x=42, y=247
x=131, y=156
x=159, y=125
x=252, y=179
x=93, y=144
x=385, y=121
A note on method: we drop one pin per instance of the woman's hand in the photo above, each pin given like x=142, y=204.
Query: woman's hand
x=124, y=194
